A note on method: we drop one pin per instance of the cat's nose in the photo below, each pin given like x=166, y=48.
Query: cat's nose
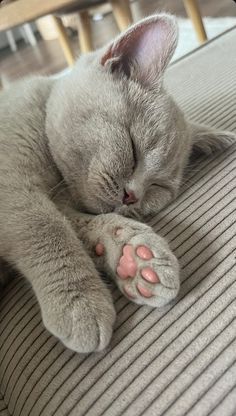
x=129, y=197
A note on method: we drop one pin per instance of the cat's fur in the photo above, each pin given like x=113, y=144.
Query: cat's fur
x=74, y=144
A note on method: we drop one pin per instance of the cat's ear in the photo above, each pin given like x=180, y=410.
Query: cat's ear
x=144, y=50
x=206, y=140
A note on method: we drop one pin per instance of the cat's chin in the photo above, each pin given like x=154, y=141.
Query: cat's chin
x=93, y=207
x=128, y=211
x=97, y=210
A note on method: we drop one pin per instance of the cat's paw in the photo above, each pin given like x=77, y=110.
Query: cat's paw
x=83, y=320
x=146, y=273
x=139, y=260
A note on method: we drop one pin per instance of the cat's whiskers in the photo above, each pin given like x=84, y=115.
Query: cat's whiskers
x=62, y=181
x=190, y=170
x=62, y=187
x=107, y=189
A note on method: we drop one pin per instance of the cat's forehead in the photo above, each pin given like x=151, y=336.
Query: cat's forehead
x=108, y=91
x=99, y=100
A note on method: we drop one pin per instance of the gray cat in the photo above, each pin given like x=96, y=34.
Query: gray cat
x=107, y=139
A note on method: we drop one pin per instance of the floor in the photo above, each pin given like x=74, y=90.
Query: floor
x=47, y=58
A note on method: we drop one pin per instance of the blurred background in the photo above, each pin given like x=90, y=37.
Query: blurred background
x=46, y=36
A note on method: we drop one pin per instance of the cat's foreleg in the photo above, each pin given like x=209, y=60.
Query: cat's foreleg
x=140, y=262
x=76, y=305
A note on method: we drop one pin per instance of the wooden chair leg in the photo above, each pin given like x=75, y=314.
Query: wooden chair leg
x=193, y=11
x=122, y=13
x=85, y=32
x=127, y=9
x=64, y=40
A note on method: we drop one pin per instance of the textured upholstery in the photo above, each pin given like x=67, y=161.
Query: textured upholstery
x=180, y=360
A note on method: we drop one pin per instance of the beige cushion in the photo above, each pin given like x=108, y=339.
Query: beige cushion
x=3, y=407
x=174, y=361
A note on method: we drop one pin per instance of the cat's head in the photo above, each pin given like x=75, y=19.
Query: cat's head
x=115, y=134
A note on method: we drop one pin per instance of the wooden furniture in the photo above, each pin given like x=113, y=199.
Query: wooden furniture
x=193, y=12
x=20, y=11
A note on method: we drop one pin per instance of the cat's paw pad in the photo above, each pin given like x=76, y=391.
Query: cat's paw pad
x=147, y=278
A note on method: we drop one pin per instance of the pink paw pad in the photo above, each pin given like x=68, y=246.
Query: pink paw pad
x=144, y=291
x=128, y=267
x=128, y=292
x=144, y=253
x=99, y=249
x=118, y=231
x=148, y=274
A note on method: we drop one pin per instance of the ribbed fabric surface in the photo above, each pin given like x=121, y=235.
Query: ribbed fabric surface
x=3, y=407
x=180, y=360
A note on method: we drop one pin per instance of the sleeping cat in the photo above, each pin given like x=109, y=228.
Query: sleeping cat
x=106, y=139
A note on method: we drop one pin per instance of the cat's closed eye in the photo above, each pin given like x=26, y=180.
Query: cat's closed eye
x=159, y=185
x=134, y=154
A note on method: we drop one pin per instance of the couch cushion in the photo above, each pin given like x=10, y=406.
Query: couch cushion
x=174, y=361
x=3, y=407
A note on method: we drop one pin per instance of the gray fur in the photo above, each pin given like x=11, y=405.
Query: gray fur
x=65, y=147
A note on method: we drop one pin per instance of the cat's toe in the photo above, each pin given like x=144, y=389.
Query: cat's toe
x=83, y=331
x=91, y=333
x=82, y=322
x=144, y=252
x=147, y=277
x=92, y=327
